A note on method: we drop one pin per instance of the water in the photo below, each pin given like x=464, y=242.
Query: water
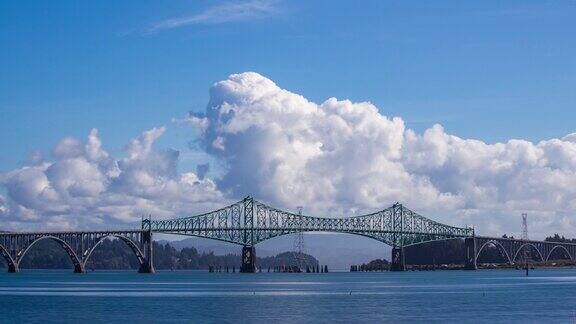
x=202, y=297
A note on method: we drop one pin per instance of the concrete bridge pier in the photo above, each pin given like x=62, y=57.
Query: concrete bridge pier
x=470, y=246
x=13, y=268
x=147, y=266
x=248, y=259
x=79, y=268
x=398, y=260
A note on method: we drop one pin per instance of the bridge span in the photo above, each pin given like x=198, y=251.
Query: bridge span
x=249, y=222
x=79, y=246
x=511, y=249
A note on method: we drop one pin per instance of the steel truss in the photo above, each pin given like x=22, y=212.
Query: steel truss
x=249, y=222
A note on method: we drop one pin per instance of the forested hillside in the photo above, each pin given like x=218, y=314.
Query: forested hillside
x=115, y=254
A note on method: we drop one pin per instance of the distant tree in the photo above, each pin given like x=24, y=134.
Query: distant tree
x=559, y=239
x=46, y=254
x=116, y=254
x=439, y=252
x=375, y=265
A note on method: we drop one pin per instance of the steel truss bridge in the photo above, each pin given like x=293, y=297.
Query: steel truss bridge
x=249, y=222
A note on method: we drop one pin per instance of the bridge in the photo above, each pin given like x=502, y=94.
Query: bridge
x=249, y=222
x=78, y=245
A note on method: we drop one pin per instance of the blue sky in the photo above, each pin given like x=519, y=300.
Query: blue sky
x=491, y=70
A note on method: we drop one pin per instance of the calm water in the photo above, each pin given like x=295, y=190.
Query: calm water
x=192, y=296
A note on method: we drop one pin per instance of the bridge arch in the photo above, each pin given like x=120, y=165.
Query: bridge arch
x=367, y=236
x=373, y=237
x=384, y=237
x=277, y=235
x=133, y=246
x=345, y=234
x=444, y=239
x=497, y=245
x=231, y=241
x=561, y=247
x=73, y=257
x=9, y=261
x=525, y=245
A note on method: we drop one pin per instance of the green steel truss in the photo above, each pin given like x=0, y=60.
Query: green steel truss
x=249, y=222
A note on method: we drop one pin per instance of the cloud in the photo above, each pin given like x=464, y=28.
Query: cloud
x=341, y=157
x=224, y=13
x=85, y=187
x=334, y=158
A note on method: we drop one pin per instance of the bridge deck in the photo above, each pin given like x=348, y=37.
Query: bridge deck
x=79, y=232
x=507, y=239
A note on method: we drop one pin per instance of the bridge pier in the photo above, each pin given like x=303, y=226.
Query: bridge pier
x=398, y=260
x=470, y=246
x=79, y=268
x=248, y=259
x=13, y=268
x=147, y=265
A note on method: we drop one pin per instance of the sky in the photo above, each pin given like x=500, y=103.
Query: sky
x=471, y=107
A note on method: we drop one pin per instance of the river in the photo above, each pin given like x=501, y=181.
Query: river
x=35, y=296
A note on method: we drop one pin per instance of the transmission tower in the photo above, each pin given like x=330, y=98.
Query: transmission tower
x=525, y=227
x=527, y=252
x=299, y=246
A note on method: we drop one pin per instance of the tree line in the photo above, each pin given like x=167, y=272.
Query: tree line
x=115, y=254
x=454, y=252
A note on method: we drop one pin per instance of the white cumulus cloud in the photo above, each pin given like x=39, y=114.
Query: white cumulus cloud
x=341, y=157
x=85, y=187
x=335, y=158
